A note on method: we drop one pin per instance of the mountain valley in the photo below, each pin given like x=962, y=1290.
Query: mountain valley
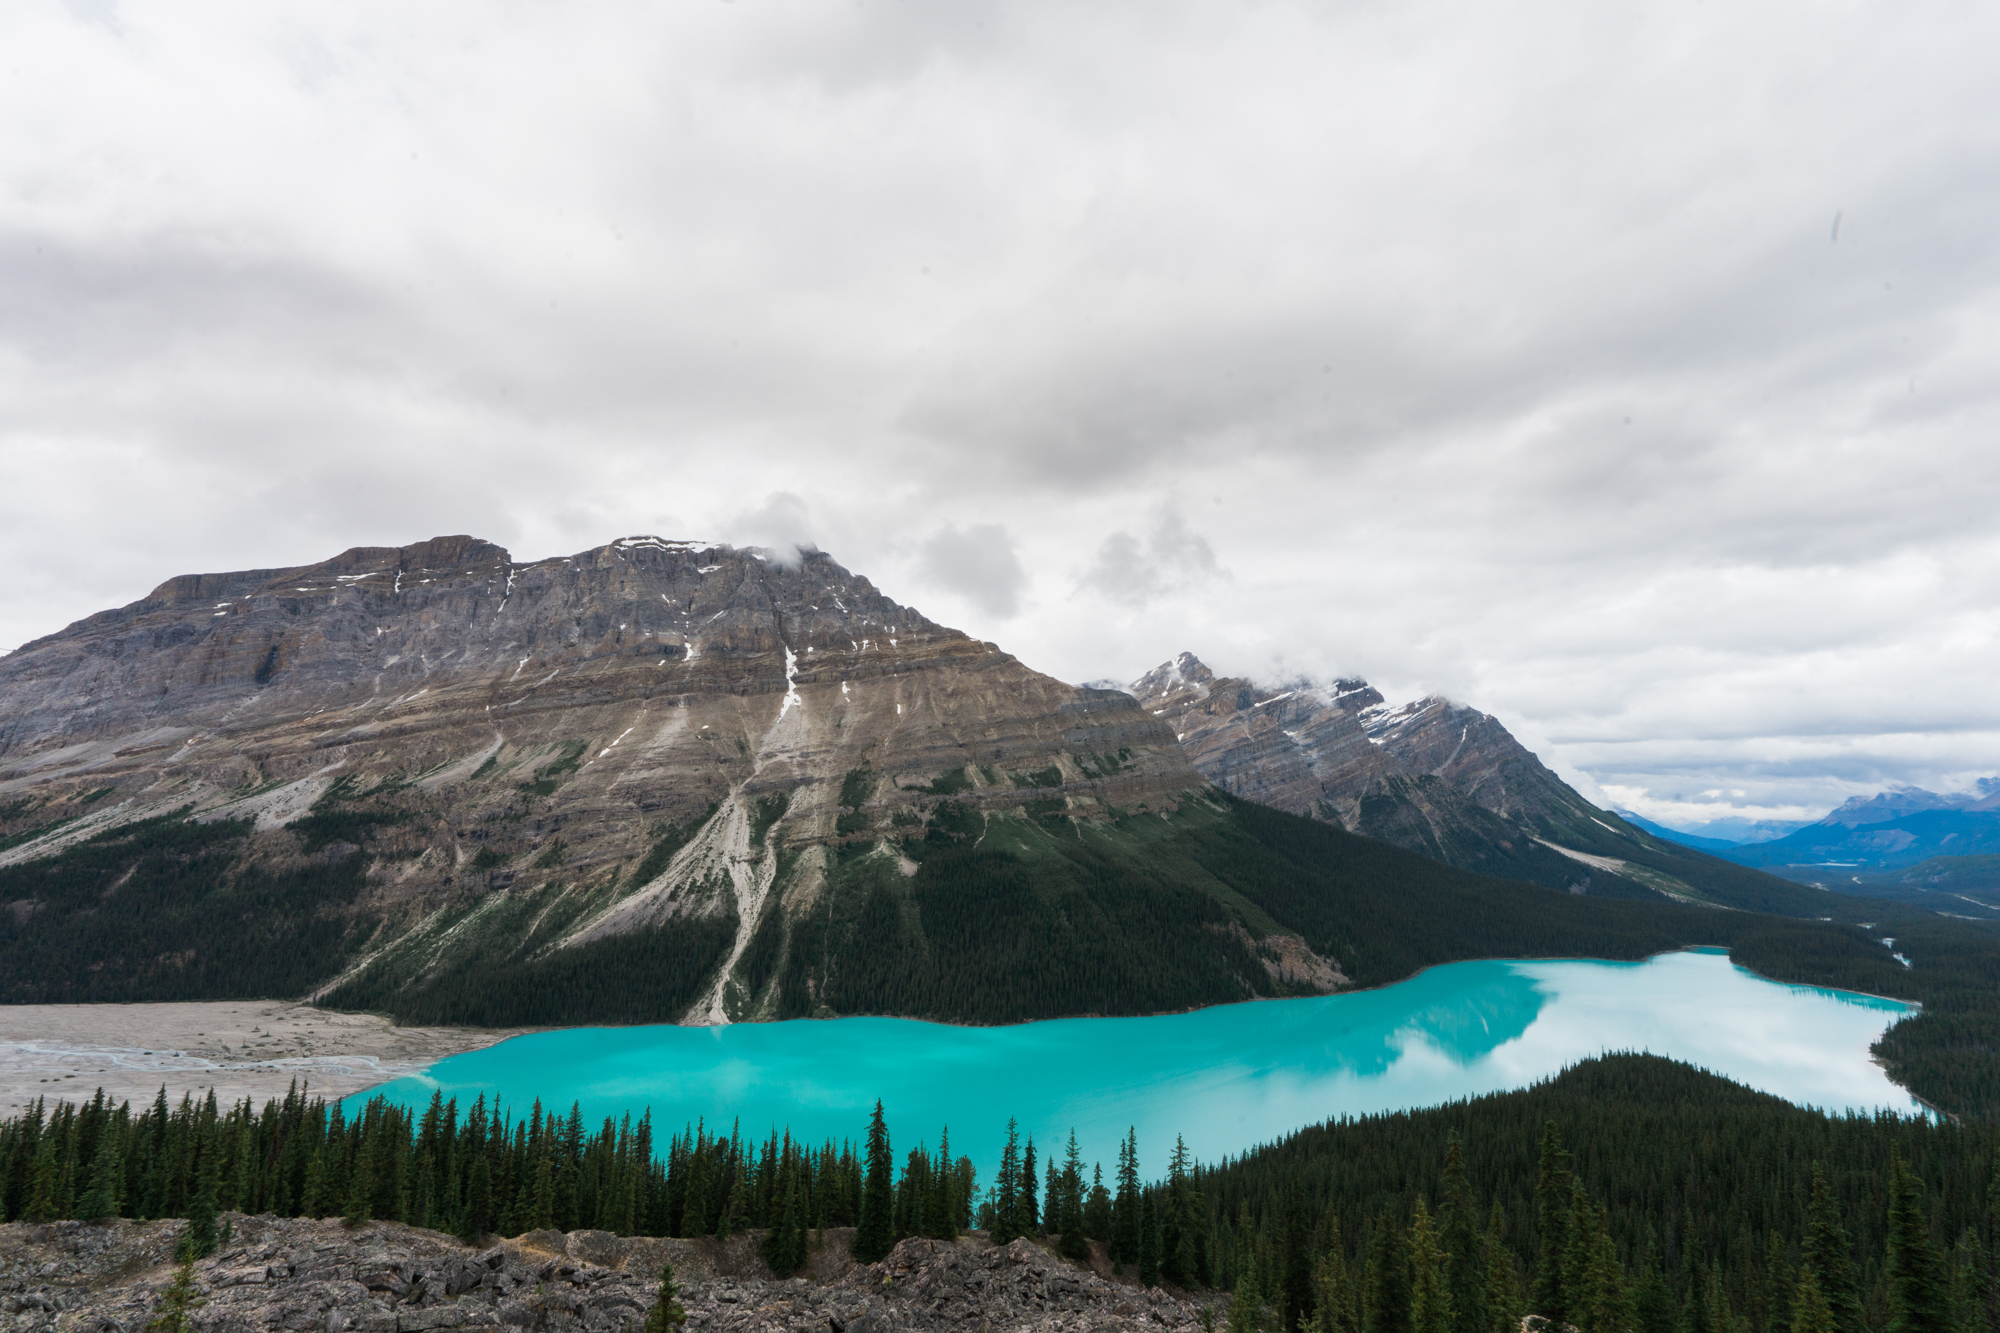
x=680, y=781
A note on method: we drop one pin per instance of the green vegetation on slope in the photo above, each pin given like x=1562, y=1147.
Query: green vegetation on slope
x=168, y=909
x=1628, y=1195
x=1700, y=1189
x=1014, y=917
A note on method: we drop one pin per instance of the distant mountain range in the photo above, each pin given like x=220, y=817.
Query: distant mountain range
x=1908, y=844
x=1719, y=833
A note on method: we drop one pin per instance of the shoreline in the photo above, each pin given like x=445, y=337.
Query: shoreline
x=257, y=1048
x=234, y=1048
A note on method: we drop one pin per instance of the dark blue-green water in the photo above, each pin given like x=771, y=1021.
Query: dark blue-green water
x=1226, y=1078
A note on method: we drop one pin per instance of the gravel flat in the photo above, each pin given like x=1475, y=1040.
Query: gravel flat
x=239, y=1048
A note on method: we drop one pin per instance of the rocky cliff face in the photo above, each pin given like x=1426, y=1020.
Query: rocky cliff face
x=290, y=1274
x=632, y=733
x=1432, y=776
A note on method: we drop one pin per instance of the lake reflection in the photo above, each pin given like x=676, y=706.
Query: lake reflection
x=1226, y=1078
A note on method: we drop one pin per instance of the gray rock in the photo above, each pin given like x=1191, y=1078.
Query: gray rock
x=110, y=1278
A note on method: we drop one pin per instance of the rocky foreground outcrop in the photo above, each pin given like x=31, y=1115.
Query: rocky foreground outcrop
x=322, y=1277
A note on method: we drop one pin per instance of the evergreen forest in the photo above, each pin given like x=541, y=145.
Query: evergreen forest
x=1629, y=1194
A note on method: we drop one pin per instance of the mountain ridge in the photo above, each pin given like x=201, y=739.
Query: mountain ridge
x=1434, y=777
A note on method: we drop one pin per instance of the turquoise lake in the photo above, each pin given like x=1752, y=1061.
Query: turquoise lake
x=1226, y=1078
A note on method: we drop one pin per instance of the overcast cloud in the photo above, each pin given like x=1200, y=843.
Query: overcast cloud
x=1507, y=351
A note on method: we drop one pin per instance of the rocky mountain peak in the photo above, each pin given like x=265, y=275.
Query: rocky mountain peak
x=550, y=725
x=1432, y=775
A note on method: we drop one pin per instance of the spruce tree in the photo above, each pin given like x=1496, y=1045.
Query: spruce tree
x=873, y=1235
x=1430, y=1298
x=45, y=1197
x=1810, y=1312
x=945, y=1207
x=1097, y=1207
x=734, y=1220
x=1504, y=1305
x=1125, y=1206
x=666, y=1314
x=178, y=1302
x=1385, y=1297
x=1074, y=1245
x=1333, y=1290
x=1149, y=1239
x=1294, y=1294
x=198, y=1240
x=1552, y=1209
x=1828, y=1255
x=107, y=1178
x=478, y=1199
x=1027, y=1217
x=1005, y=1211
x=1458, y=1234
x=785, y=1242
x=1918, y=1301
x=1246, y=1309
x=1606, y=1300
x=361, y=1183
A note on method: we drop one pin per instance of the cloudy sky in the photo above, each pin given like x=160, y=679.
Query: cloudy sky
x=1630, y=371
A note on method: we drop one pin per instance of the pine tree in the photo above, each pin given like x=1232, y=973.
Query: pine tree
x=873, y=1236
x=666, y=1314
x=1917, y=1296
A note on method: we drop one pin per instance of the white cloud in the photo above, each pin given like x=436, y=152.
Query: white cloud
x=1503, y=351
x=978, y=563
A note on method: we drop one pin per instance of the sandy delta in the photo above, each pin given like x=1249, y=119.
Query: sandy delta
x=239, y=1048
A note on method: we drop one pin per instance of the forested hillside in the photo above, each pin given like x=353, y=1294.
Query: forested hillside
x=1628, y=1195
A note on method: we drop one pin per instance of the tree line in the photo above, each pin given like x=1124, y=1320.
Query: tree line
x=1629, y=1195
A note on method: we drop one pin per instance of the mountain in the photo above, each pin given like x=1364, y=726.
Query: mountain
x=667, y=780
x=1434, y=777
x=1884, y=844
x=1884, y=806
x=421, y=756
x=1675, y=835
x=1719, y=834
